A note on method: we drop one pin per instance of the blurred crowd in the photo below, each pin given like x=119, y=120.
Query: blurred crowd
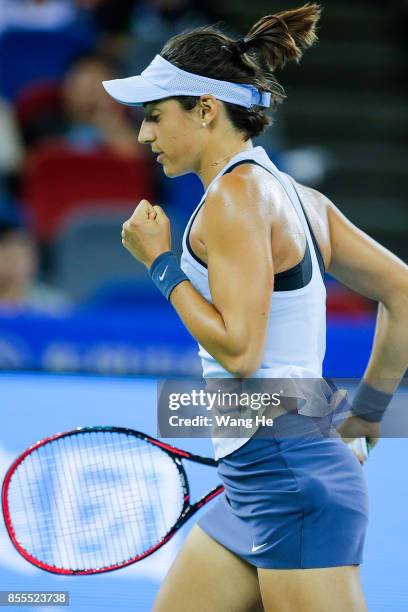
x=70, y=161
x=71, y=168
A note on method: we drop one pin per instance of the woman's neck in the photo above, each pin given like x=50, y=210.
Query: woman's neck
x=216, y=158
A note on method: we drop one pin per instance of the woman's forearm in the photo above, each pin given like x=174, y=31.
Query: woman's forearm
x=207, y=326
x=389, y=356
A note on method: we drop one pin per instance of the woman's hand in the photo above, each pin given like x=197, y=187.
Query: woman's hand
x=354, y=427
x=146, y=235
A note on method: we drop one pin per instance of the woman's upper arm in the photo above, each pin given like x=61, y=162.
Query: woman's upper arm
x=363, y=264
x=240, y=267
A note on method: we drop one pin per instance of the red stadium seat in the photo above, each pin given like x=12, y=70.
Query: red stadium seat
x=37, y=98
x=342, y=301
x=59, y=181
x=39, y=110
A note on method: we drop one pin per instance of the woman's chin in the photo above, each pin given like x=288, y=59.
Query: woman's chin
x=172, y=171
x=167, y=171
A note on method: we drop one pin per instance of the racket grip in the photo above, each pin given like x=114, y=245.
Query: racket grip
x=360, y=447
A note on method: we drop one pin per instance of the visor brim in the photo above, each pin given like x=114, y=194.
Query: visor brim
x=134, y=91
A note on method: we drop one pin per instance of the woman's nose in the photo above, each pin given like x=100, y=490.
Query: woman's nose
x=146, y=135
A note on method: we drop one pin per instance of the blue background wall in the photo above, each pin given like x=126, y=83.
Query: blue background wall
x=147, y=339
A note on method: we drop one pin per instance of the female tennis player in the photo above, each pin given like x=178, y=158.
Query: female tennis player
x=288, y=533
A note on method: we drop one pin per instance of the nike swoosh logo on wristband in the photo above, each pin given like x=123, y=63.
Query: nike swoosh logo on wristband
x=161, y=276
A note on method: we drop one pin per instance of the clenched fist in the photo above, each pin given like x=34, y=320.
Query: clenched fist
x=146, y=235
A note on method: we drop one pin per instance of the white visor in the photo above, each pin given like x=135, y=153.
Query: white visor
x=161, y=79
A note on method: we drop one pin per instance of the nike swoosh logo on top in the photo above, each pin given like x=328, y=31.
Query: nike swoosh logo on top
x=255, y=548
x=161, y=276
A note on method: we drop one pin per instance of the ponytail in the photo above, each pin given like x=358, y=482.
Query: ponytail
x=282, y=37
x=269, y=44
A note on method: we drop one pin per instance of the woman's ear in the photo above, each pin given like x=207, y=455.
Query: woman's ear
x=207, y=109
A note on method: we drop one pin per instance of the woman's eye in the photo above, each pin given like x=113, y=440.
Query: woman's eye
x=155, y=118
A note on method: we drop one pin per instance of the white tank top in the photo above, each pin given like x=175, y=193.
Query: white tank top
x=296, y=336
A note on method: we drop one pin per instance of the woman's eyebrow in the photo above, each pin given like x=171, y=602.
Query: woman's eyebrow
x=148, y=110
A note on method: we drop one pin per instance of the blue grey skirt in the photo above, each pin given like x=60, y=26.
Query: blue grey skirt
x=295, y=497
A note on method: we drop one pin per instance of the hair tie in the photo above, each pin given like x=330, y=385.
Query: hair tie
x=242, y=45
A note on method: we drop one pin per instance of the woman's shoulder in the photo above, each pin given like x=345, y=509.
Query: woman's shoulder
x=247, y=187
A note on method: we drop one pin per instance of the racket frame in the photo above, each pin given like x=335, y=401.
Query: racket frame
x=176, y=454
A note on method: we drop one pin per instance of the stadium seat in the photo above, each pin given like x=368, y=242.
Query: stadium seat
x=89, y=253
x=59, y=180
x=29, y=55
x=124, y=295
x=90, y=262
x=39, y=111
x=342, y=301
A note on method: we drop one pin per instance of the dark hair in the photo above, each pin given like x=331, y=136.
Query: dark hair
x=269, y=44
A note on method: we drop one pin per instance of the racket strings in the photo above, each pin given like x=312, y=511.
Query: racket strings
x=94, y=499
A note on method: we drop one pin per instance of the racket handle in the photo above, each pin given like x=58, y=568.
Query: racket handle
x=360, y=447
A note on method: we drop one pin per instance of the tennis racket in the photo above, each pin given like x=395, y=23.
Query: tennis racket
x=96, y=499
